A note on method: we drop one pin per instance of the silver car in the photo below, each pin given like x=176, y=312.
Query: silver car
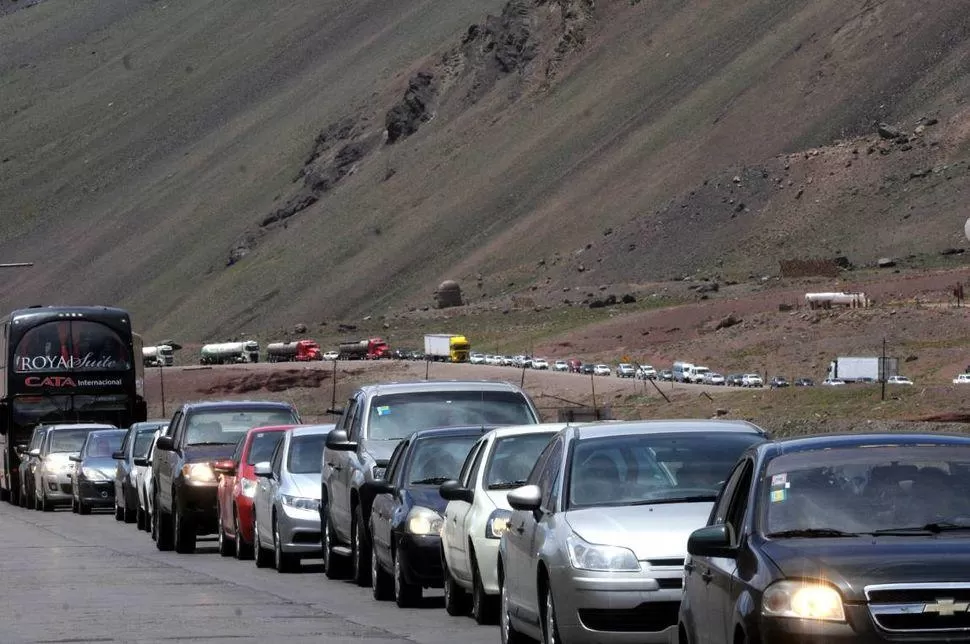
x=286, y=505
x=594, y=550
x=143, y=483
x=52, y=477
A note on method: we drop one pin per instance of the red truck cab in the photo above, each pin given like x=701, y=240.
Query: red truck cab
x=237, y=486
x=308, y=350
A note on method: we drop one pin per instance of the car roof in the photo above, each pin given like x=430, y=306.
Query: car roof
x=204, y=405
x=438, y=385
x=521, y=430
x=445, y=432
x=146, y=425
x=61, y=426
x=110, y=432
x=835, y=441
x=311, y=430
x=675, y=426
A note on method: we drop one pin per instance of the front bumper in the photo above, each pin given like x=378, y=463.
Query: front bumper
x=624, y=608
x=57, y=488
x=244, y=514
x=299, y=531
x=421, y=560
x=857, y=629
x=198, y=504
x=486, y=555
x=98, y=493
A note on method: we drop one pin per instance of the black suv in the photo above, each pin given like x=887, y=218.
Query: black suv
x=185, y=484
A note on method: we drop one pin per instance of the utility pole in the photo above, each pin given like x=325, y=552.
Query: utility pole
x=17, y=265
x=161, y=382
x=882, y=369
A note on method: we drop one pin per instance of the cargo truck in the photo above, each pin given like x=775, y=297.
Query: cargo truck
x=446, y=347
x=162, y=355
x=298, y=351
x=230, y=352
x=862, y=369
x=370, y=349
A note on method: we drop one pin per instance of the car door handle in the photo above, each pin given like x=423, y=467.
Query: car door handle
x=707, y=576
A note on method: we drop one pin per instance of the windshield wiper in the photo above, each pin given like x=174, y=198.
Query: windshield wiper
x=697, y=498
x=508, y=485
x=810, y=533
x=434, y=480
x=209, y=443
x=932, y=528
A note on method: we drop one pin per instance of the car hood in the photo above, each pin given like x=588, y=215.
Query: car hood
x=651, y=531
x=304, y=485
x=380, y=450
x=427, y=496
x=56, y=459
x=203, y=453
x=853, y=563
x=103, y=465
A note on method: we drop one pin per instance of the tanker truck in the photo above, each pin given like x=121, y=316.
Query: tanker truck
x=370, y=349
x=230, y=352
x=162, y=355
x=446, y=347
x=299, y=351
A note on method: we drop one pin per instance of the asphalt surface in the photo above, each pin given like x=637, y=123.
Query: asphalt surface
x=68, y=578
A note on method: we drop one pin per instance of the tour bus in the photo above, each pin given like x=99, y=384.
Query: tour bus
x=65, y=364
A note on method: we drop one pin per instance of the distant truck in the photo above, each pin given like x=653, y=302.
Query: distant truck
x=230, y=352
x=861, y=369
x=298, y=351
x=446, y=347
x=162, y=355
x=369, y=349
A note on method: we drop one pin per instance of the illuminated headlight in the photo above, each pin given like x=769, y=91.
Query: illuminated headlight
x=92, y=474
x=586, y=556
x=61, y=468
x=199, y=473
x=497, y=524
x=247, y=487
x=377, y=471
x=803, y=600
x=300, y=502
x=424, y=521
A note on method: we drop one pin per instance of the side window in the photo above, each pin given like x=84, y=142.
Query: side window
x=357, y=420
x=541, y=463
x=477, y=466
x=548, y=480
x=720, y=512
x=739, y=501
x=237, y=455
x=179, y=431
x=277, y=460
x=469, y=464
x=348, y=416
x=394, y=464
x=126, y=442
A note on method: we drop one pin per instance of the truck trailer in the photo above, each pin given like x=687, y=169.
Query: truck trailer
x=862, y=369
x=369, y=349
x=446, y=347
x=162, y=355
x=298, y=351
x=230, y=352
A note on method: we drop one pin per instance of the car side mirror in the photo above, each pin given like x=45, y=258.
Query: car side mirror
x=337, y=441
x=141, y=462
x=336, y=411
x=712, y=541
x=165, y=444
x=263, y=469
x=527, y=498
x=453, y=491
x=34, y=452
x=379, y=486
x=75, y=458
x=227, y=467
x=118, y=456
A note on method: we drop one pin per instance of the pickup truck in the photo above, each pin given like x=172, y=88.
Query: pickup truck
x=375, y=420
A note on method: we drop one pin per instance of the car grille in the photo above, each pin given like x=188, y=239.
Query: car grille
x=306, y=537
x=920, y=607
x=66, y=488
x=649, y=617
x=674, y=583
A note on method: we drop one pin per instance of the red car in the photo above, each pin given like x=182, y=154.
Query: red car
x=237, y=485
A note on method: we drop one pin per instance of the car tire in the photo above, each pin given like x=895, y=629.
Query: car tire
x=140, y=519
x=506, y=629
x=456, y=597
x=484, y=607
x=550, y=620
x=382, y=583
x=405, y=595
x=244, y=551
x=262, y=557
x=47, y=506
x=332, y=562
x=82, y=507
x=129, y=516
x=183, y=532
x=284, y=562
x=162, y=528
x=227, y=548
x=73, y=505
x=119, y=513
x=360, y=550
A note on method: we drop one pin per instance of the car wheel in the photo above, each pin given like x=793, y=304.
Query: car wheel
x=405, y=594
x=184, y=532
x=82, y=507
x=73, y=505
x=261, y=556
x=483, y=606
x=550, y=625
x=456, y=599
x=119, y=513
x=284, y=561
x=129, y=516
x=47, y=506
x=162, y=527
x=226, y=546
x=140, y=519
x=507, y=629
x=383, y=584
x=243, y=550
x=332, y=562
x=360, y=550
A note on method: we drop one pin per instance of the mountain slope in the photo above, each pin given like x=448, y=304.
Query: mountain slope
x=140, y=174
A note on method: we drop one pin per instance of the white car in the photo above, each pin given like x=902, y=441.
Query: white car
x=713, y=378
x=698, y=374
x=476, y=358
x=899, y=380
x=625, y=370
x=752, y=380
x=561, y=365
x=143, y=482
x=602, y=370
x=493, y=360
x=508, y=361
x=833, y=382
x=962, y=379
x=540, y=363
x=477, y=514
x=646, y=372
x=331, y=355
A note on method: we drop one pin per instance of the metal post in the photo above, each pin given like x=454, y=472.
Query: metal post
x=161, y=382
x=882, y=369
x=333, y=399
x=427, y=368
x=592, y=386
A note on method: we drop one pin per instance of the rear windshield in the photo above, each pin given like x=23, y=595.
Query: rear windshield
x=512, y=460
x=262, y=447
x=306, y=454
x=396, y=416
x=226, y=427
x=103, y=445
x=436, y=460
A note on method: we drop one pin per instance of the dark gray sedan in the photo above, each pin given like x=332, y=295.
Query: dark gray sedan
x=92, y=481
x=137, y=441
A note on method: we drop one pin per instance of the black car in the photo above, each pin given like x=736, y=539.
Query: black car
x=778, y=382
x=851, y=538
x=92, y=481
x=587, y=368
x=406, y=514
x=734, y=380
x=804, y=382
x=137, y=441
x=184, y=483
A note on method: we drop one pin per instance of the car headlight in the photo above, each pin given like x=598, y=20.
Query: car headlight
x=587, y=556
x=247, y=487
x=92, y=474
x=300, y=502
x=61, y=468
x=803, y=600
x=377, y=472
x=424, y=521
x=199, y=473
x=497, y=524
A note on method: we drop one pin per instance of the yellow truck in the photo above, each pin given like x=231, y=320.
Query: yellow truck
x=446, y=347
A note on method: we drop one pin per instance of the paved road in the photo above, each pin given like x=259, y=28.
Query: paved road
x=68, y=578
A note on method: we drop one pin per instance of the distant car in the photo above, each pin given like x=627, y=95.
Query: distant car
x=575, y=365
x=778, y=382
x=331, y=355
x=804, y=382
x=713, y=378
x=752, y=380
x=143, y=484
x=602, y=370
x=836, y=382
x=476, y=358
x=587, y=369
x=93, y=479
x=666, y=375
x=561, y=365
x=625, y=370
x=540, y=363
x=899, y=380
x=52, y=475
x=646, y=372
x=734, y=380
x=495, y=361
x=508, y=361
x=137, y=440
x=962, y=379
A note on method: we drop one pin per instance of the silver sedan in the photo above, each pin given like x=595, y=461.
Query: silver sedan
x=594, y=550
x=286, y=505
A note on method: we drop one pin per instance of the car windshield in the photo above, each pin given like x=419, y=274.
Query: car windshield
x=436, y=460
x=306, y=454
x=644, y=469
x=103, y=444
x=68, y=440
x=395, y=416
x=513, y=457
x=868, y=490
x=262, y=446
x=227, y=426
x=143, y=442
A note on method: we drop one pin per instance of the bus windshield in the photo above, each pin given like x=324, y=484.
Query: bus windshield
x=71, y=345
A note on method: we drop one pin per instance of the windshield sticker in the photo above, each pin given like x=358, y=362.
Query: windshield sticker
x=777, y=496
x=779, y=480
x=383, y=410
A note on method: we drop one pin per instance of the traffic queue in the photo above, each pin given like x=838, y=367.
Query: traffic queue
x=695, y=531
